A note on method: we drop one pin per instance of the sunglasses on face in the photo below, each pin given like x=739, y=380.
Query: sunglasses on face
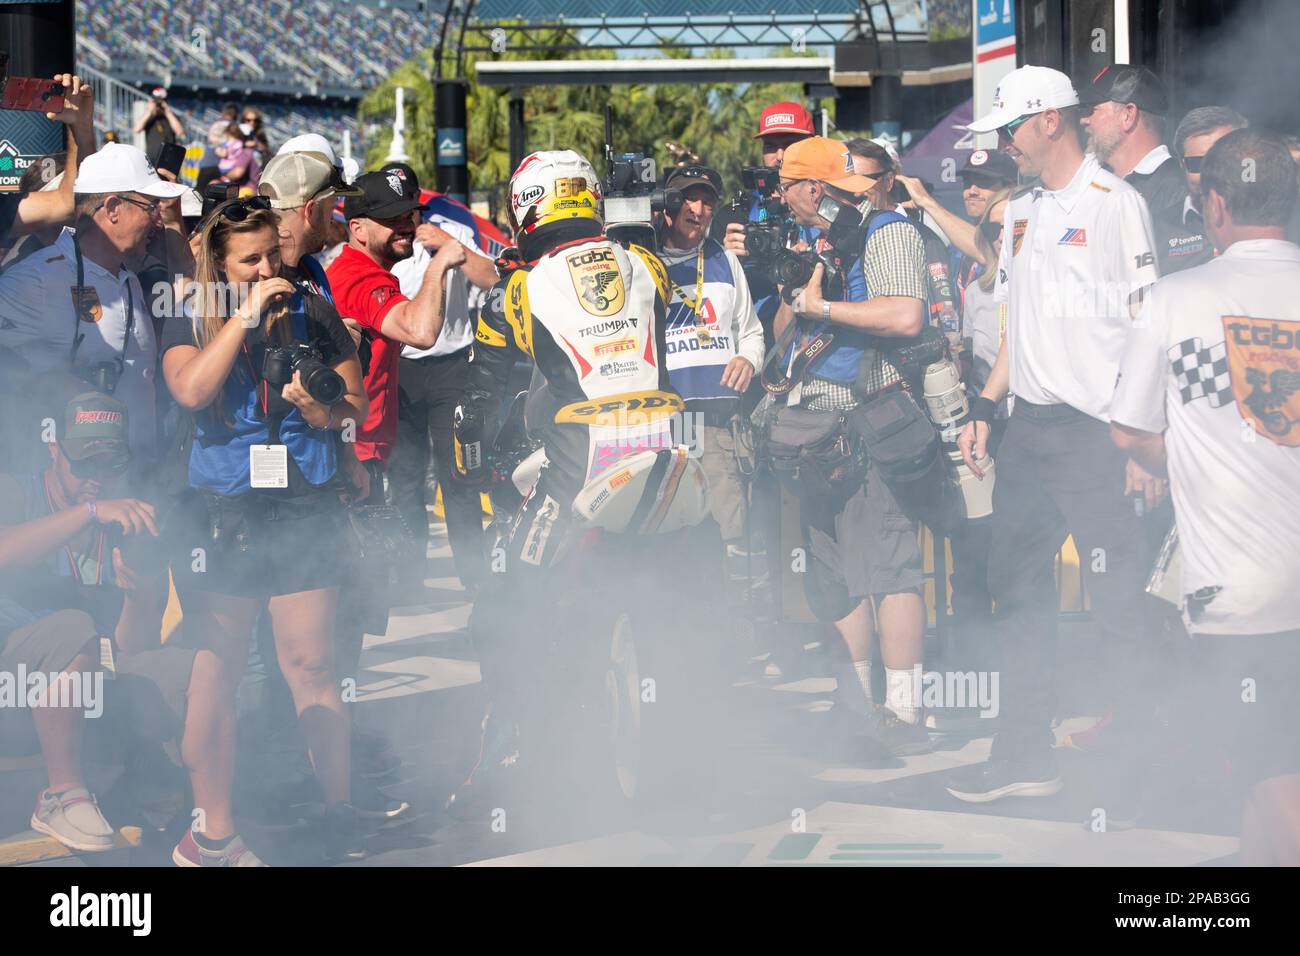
x=237, y=210
x=99, y=468
x=990, y=230
x=1193, y=163
x=1009, y=131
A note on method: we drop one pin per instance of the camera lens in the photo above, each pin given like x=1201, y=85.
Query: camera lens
x=791, y=269
x=322, y=382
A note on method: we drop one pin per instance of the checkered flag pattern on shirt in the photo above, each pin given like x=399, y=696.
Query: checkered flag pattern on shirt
x=1201, y=372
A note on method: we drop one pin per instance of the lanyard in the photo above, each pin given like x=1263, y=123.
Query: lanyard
x=77, y=336
x=67, y=548
x=701, y=328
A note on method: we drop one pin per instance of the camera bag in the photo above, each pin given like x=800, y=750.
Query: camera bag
x=813, y=453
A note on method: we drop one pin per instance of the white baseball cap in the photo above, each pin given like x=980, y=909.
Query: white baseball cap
x=119, y=168
x=1023, y=92
x=310, y=143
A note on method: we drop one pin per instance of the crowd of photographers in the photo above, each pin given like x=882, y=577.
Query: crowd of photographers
x=203, y=416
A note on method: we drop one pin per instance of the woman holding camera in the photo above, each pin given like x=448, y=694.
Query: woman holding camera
x=269, y=374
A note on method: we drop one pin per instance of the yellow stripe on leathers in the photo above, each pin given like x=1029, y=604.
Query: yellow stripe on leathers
x=518, y=313
x=651, y=262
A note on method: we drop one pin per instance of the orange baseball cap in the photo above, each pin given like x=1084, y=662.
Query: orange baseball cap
x=826, y=160
x=784, y=117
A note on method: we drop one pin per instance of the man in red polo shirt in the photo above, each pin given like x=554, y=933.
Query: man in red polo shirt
x=381, y=231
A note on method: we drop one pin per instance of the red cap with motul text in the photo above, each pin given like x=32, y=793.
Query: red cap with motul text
x=785, y=118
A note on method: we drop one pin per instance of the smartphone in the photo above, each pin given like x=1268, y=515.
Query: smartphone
x=31, y=95
x=170, y=156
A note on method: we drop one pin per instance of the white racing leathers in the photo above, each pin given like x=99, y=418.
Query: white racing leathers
x=590, y=315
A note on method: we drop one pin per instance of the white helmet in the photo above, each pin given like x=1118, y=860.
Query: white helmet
x=551, y=186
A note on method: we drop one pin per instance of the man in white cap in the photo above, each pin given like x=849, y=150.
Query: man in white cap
x=1077, y=254
x=303, y=185
x=75, y=306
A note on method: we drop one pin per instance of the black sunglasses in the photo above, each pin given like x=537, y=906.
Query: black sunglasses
x=991, y=230
x=99, y=467
x=1193, y=163
x=237, y=210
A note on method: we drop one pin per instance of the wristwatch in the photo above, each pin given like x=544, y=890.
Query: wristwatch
x=826, y=311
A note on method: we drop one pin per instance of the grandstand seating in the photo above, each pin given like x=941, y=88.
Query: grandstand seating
x=282, y=121
x=309, y=46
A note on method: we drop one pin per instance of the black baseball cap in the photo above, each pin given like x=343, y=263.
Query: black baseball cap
x=1122, y=83
x=95, y=426
x=682, y=177
x=988, y=166
x=385, y=194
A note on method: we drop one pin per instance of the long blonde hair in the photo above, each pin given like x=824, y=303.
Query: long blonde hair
x=210, y=297
x=990, y=274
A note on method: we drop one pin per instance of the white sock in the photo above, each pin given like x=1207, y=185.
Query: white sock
x=900, y=694
x=863, y=670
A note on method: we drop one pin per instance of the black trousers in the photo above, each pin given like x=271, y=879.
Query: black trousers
x=1058, y=474
x=430, y=389
x=972, y=605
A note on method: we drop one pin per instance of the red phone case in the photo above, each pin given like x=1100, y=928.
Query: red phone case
x=32, y=95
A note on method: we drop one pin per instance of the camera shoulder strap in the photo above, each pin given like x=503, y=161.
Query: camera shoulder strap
x=80, y=297
x=775, y=379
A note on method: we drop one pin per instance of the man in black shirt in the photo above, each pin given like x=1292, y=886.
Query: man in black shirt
x=1123, y=112
x=159, y=124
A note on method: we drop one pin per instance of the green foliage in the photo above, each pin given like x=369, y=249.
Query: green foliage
x=716, y=121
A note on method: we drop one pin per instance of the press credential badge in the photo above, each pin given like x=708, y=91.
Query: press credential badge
x=268, y=466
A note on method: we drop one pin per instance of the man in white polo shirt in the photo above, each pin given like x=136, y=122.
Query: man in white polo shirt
x=1077, y=252
x=1210, y=385
x=75, y=305
x=432, y=382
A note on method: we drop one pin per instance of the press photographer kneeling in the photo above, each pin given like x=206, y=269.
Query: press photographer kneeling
x=269, y=371
x=846, y=433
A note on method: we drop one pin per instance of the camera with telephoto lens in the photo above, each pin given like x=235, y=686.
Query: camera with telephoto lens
x=322, y=383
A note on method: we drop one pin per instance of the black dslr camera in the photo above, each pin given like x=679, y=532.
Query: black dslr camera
x=101, y=376
x=322, y=382
x=794, y=269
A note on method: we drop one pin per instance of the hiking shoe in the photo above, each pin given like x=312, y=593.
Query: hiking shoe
x=73, y=818
x=896, y=735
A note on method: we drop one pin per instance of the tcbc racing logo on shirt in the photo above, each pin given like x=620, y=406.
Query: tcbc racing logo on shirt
x=597, y=280
x=1264, y=362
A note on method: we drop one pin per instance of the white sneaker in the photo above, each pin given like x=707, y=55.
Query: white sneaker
x=73, y=818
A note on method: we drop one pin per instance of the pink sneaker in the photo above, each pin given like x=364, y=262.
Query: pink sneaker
x=189, y=853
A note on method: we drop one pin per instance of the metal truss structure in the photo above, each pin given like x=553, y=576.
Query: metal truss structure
x=870, y=21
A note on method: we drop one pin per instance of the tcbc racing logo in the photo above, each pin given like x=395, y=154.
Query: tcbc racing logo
x=1264, y=362
x=597, y=280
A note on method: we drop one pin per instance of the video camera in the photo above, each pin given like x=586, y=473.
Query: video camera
x=632, y=194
